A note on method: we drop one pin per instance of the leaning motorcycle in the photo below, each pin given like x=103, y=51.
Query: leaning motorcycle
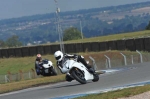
x=78, y=71
x=47, y=68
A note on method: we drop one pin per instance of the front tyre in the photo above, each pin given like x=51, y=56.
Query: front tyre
x=52, y=71
x=79, y=76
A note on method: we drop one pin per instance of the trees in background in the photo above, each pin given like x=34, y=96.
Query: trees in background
x=95, y=22
x=148, y=26
x=72, y=34
x=13, y=41
x=2, y=43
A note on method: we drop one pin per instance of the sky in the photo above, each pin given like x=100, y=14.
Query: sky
x=19, y=8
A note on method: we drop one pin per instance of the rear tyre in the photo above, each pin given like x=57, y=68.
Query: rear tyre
x=79, y=76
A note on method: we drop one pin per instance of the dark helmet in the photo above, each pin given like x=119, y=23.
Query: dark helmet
x=38, y=57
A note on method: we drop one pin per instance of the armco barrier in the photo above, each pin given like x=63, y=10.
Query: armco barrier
x=87, y=46
x=95, y=46
x=25, y=51
x=139, y=43
x=79, y=47
x=70, y=48
x=32, y=51
x=147, y=44
x=47, y=49
x=4, y=53
x=103, y=46
x=18, y=52
x=40, y=49
x=130, y=44
x=112, y=45
x=11, y=52
x=121, y=44
x=55, y=48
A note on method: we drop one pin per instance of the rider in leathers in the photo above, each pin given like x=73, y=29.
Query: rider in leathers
x=60, y=57
x=38, y=64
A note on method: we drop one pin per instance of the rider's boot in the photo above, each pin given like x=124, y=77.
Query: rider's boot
x=91, y=70
x=82, y=60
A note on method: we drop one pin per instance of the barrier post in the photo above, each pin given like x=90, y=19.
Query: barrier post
x=125, y=60
x=109, y=64
x=9, y=76
x=33, y=72
x=94, y=64
x=132, y=59
x=21, y=75
x=141, y=58
x=29, y=75
x=6, y=79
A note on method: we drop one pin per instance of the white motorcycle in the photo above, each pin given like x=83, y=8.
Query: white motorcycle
x=78, y=71
x=47, y=68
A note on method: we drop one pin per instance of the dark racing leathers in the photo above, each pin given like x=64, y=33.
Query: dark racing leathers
x=38, y=66
x=79, y=59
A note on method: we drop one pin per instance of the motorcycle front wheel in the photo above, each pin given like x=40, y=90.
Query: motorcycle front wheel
x=79, y=76
x=53, y=72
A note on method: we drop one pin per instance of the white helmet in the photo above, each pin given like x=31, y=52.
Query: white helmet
x=58, y=55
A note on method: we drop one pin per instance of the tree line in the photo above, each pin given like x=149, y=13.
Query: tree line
x=91, y=26
x=10, y=42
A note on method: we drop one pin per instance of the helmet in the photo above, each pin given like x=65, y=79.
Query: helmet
x=38, y=57
x=58, y=55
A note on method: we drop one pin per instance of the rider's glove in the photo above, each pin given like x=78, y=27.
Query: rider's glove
x=75, y=57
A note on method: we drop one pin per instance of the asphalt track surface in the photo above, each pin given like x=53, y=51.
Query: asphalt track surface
x=135, y=73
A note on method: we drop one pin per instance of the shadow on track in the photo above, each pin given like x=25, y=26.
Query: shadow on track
x=69, y=85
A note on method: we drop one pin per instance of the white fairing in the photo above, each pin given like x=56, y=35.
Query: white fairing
x=69, y=64
x=48, y=65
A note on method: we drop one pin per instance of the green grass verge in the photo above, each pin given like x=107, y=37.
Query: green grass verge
x=127, y=92
x=24, y=64
x=13, y=86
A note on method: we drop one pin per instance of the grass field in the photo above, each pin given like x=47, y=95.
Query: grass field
x=13, y=65
x=25, y=64
x=138, y=34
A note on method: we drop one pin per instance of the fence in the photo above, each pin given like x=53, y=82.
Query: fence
x=17, y=77
x=141, y=44
x=101, y=63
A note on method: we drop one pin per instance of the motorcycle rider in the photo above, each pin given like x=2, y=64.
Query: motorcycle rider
x=38, y=62
x=60, y=57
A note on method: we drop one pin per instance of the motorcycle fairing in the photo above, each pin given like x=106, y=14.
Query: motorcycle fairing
x=70, y=64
